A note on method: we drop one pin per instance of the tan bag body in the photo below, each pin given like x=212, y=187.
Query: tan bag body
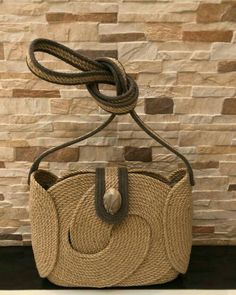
x=74, y=247
x=112, y=226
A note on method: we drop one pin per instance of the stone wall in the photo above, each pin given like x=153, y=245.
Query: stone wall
x=182, y=54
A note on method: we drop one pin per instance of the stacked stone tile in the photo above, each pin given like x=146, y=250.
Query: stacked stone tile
x=183, y=57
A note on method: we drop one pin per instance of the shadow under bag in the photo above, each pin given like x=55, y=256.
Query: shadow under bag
x=109, y=226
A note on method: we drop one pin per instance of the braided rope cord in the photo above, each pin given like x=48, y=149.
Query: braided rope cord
x=91, y=73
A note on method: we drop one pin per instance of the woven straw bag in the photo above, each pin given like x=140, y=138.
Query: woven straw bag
x=109, y=226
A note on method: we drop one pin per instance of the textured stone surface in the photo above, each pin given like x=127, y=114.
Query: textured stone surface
x=229, y=106
x=203, y=229
x=1, y=51
x=63, y=155
x=122, y=37
x=212, y=12
x=223, y=51
x=35, y=93
x=227, y=66
x=98, y=53
x=208, y=36
x=163, y=31
x=162, y=105
x=138, y=154
x=70, y=17
x=182, y=54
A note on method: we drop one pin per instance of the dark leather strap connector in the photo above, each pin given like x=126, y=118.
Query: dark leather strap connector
x=111, y=194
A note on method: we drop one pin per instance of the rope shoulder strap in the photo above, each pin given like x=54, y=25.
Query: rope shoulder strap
x=92, y=72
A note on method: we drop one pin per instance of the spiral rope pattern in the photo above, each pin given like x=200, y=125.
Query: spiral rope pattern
x=74, y=247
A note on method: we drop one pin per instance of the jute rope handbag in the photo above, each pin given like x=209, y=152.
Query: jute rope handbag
x=112, y=226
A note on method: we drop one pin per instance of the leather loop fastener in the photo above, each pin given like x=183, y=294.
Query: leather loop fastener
x=111, y=183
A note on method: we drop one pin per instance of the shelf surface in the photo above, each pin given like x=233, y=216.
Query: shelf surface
x=211, y=267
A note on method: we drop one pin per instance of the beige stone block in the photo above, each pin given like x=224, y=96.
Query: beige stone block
x=163, y=31
x=146, y=91
x=158, y=12
x=60, y=106
x=223, y=204
x=13, y=67
x=136, y=51
x=142, y=135
x=7, y=230
x=18, y=199
x=26, y=32
x=85, y=127
x=200, y=55
x=205, y=91
x=201, y=203
x=7, y=154
x=83, y=32
x=223, y=51
x=160, y=79
x=166, y=158
x=83, y=106
x=145, y=66
x=173, y=55
x=222, y=149
x=184, y=46
x=206, y=79
x=24, y=119
x=210, y=27
x=198, y=106
x=227, y=229
x=229, y=157
x=196, y=119
x=177, y=6
x=24, y=106
x=189, y=66
x=144, y=142
x=120, y=28
x=15, y=51
x=24, y=8
x=139, y=8
x=159, y=6
x=14, y=212
x=47, y=127
x=59, y=31
x=228, y=168
x=155, y=17
x=199, y=137
x=213, y=214
x=227, y=119
x=167, y=126
x=211, y=127
x=212, y=195
x=90, y=153
x=84, y=7
x=154, y=118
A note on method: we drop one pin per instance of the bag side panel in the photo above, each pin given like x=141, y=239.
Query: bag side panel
x=178, y=225
x=44, y=227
